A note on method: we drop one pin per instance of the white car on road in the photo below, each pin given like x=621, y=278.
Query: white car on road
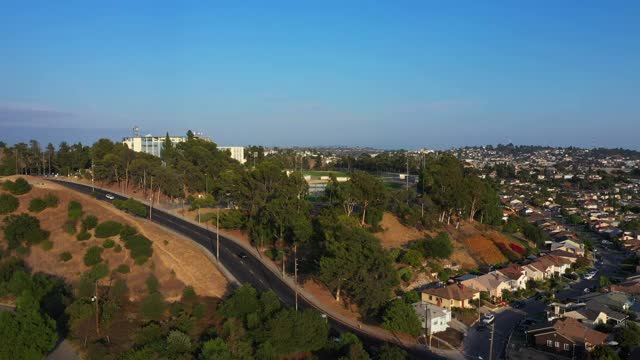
x=590, y=275
x=110, y=196
x=488, y=319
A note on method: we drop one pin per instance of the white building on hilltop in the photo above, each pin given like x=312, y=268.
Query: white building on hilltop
x=237, y=152
x=153, y=145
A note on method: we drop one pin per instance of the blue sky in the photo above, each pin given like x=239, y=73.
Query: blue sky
x=392, y=74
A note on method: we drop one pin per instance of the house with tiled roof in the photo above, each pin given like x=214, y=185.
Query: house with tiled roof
x=452, y=296
x=517, y=276
x=565, y=255
x=567, y=336
x=493, y=283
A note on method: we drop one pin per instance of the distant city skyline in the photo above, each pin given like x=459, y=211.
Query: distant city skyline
x=402, y=74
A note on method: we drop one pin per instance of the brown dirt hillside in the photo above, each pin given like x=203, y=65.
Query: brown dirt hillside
x=483, y=243
x=394, y=233
x=176, y=261
x=474, y=245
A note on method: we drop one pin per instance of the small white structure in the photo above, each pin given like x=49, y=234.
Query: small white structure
x=436, y=317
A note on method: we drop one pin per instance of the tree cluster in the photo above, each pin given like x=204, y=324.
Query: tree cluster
x=354, y=264
x=273, y=202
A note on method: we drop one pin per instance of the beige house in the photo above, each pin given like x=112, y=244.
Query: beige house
x=493, y=283
x=534, y=272
x=452, y=296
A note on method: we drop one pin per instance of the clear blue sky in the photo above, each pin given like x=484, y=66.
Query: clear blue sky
x=394, y=74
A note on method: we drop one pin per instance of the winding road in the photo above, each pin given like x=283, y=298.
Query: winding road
x=244, y=264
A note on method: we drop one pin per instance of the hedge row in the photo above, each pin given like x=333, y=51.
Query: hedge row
x=131, y=206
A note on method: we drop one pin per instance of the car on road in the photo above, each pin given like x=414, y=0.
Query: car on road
x=590, y=275
x=242, y=255
x=110, y=196
x=488, y=319
x=529, y=322
x=587, y=290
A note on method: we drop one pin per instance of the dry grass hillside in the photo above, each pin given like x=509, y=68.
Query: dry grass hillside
x=176, y=261
x=474, y=245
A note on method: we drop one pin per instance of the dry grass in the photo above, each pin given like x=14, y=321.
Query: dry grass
x=176, y=260
x=395, y=234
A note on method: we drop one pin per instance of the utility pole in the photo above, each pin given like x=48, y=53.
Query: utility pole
x=283, y=261
x=151, y=206
x=426, y=321
x=407, y=178
x=295, y=272
x=493, y=330
x=97, y=301
x=93, y=188
x=16, y=160
x=218, y=234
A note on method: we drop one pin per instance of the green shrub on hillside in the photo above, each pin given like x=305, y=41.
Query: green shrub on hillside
x=18, y=187
x=46, y=245
x=108, y=244
x=8, y=204
x=23, y=229
x=412, y=257
x=65, y=256
x=405, y=274
x=51, y=200
x=37, y=205
x=123, y=269
x=108, y=229
x=83, y=236
x=138, y=245
x=70, y=227
x=128, y=230
x=89, y=222
x=93, y=256
x=74, y=210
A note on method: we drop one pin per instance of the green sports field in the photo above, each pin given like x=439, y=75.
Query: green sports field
x=318, y=174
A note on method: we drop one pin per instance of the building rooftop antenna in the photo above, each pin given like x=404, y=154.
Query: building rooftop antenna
x=136, y=131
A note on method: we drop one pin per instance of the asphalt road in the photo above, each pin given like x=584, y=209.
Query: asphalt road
x=478, y=339
x=246, y=268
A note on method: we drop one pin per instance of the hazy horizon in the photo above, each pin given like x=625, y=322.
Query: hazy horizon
x=89, y=136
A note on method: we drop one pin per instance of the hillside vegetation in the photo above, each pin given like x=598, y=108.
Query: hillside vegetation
x=80, y=235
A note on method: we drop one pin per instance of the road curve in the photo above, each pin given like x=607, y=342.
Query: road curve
x=253, y=271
